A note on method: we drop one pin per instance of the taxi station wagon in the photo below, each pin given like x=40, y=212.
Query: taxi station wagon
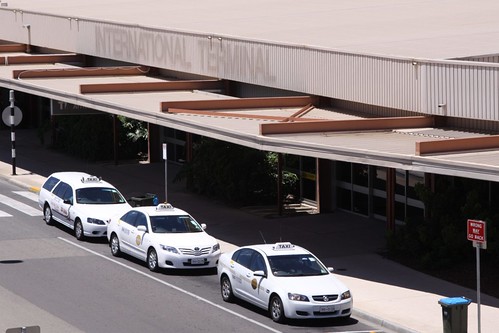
x=81, y=202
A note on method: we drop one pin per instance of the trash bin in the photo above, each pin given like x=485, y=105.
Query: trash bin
x=455, y=314
x=148, y=199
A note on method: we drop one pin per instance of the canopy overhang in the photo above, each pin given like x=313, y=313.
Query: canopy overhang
x=292, y=124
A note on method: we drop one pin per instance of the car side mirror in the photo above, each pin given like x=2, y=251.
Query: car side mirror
x=68, y=202
x=203, y=226
x=142, y=228
x=259, y=273
x=330, y=269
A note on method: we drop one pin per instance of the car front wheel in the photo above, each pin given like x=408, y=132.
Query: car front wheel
x=79, y=230
x=152, y=260
x=115, y=245
x=47, y=214
x=276, y=309
x=226, y=289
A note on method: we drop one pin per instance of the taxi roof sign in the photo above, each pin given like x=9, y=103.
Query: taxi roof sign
x=91, y=179
x=283, y=246
x=164, y=206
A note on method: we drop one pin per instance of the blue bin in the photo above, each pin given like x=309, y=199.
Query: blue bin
x=455, y=314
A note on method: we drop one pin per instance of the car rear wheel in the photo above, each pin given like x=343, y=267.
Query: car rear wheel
x=115, y=245
x=226, y=289
x=276, y=309
x=47, y=214
x=152, y=260
x=79, y=230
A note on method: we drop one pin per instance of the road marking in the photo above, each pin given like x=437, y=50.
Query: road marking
x=172, y=286
x=19, y=206
x=27, y=194
x=4, y=214
x=370, y=331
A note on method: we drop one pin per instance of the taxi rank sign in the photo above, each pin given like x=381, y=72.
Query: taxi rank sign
x=476, y=234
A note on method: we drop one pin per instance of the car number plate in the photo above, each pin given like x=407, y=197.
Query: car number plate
x=329, y=308
x=197, y=261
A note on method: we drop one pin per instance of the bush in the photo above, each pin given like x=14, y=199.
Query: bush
x=233, y=173
x=90, y=137
x=440, y=240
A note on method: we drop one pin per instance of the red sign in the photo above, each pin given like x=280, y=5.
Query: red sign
x=476, y=231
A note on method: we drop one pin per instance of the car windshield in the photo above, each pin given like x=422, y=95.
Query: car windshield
x=99, y=196
x=174, y=224
x=296, y=265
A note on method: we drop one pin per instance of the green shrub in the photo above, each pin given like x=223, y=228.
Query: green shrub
x=233, y=173
x=440, y=240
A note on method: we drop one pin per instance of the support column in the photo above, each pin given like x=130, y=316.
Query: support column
x=429, y=182
x=279, y=184
x=115, y=139
x=324, y=185
x=188, y=147
x=390, y=199
x=153, y=144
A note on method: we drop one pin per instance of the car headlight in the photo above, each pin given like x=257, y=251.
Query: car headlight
x=346, y=295
x=297, y=297
x=95, y=221
x=169, y=248
x=216, y=247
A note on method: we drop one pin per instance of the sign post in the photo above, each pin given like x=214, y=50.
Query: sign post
x=165, y=157
x=476, y=234
x=11, y=117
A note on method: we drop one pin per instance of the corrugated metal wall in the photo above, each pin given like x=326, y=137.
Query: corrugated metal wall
x=463, y=89
x=485, y=58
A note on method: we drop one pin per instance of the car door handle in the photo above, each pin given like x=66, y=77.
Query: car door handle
x=248, y=275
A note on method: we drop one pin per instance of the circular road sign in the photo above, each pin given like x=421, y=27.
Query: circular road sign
x=18, y=116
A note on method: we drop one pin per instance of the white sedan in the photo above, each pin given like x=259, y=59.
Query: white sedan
x=286, y=280
x=164, y=237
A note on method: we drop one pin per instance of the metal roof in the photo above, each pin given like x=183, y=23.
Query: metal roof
x=439, y=29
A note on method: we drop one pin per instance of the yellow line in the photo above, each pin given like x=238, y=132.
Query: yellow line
x=35, y=189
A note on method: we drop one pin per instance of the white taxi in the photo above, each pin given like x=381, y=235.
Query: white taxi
x=286, y=280
x=164, y=237
x=81, y=202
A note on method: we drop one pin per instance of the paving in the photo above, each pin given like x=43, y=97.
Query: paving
x=390, y=295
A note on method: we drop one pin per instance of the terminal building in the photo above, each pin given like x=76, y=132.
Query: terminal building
x=372, y=98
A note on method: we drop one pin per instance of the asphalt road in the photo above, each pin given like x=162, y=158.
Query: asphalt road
x=49, y=279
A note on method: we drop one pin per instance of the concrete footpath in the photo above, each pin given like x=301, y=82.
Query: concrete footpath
x=390, y=295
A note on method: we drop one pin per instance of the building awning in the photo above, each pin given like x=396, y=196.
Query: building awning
x=289, y=124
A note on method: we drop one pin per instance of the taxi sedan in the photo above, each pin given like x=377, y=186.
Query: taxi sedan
x=164, y=237
x=286, y=280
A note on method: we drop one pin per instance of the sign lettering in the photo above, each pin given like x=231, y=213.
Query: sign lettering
x=214, y=56
x=476, y=231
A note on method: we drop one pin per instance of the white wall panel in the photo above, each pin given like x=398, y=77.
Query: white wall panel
x=468, y=90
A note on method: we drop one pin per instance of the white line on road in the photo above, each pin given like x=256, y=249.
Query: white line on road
x=171, y=286
x=370, y=331
x=4, y=214
x=27, y=194
x=20, y=206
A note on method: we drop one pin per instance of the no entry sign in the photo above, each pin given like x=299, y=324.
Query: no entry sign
x=476, y=231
